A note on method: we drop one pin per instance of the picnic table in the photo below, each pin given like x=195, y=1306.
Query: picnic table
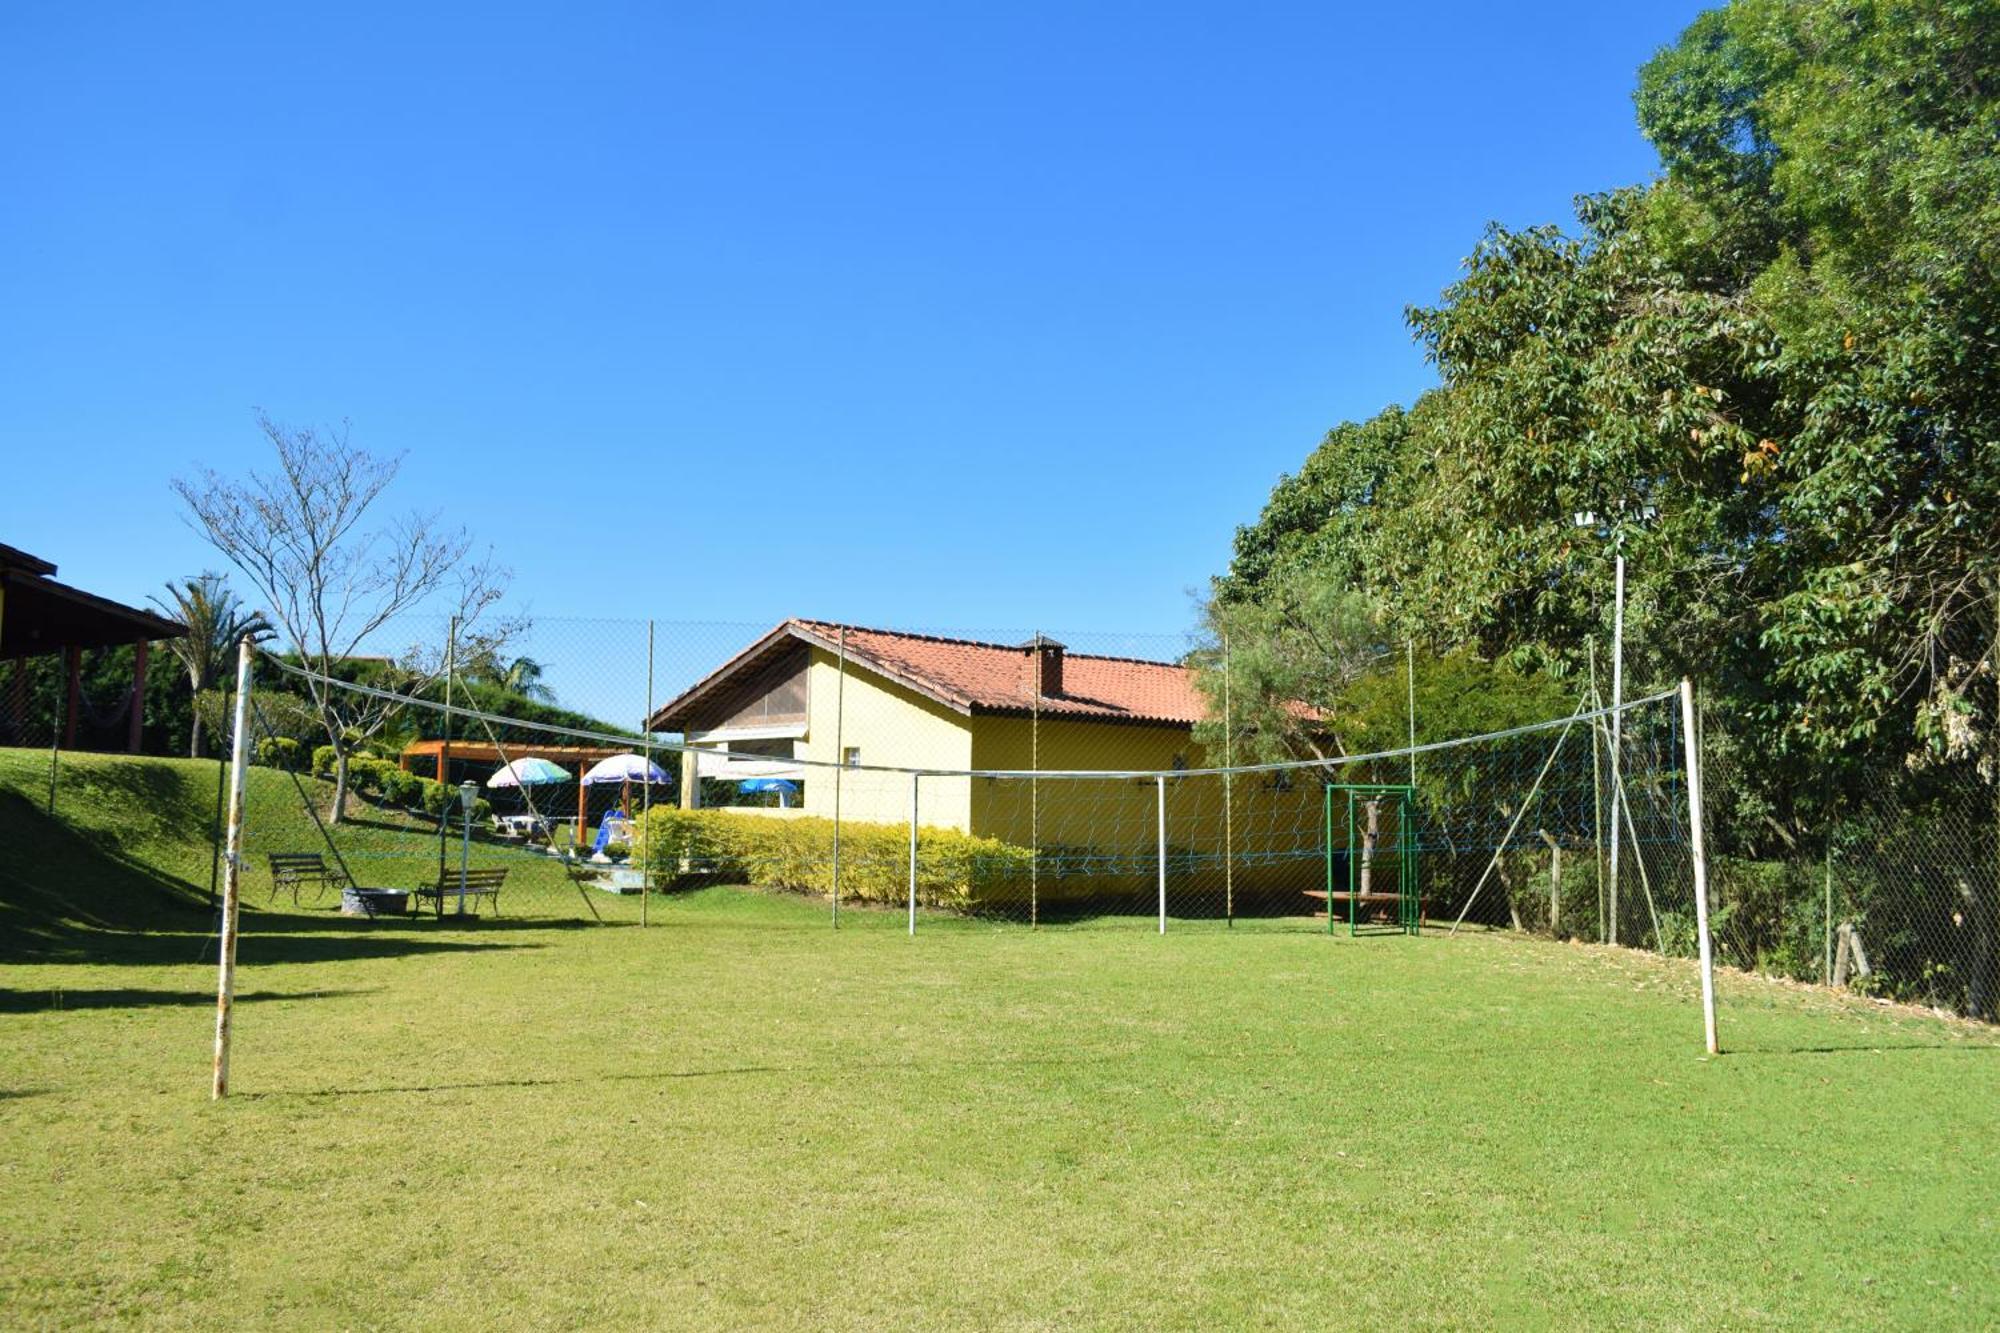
x=533, y=828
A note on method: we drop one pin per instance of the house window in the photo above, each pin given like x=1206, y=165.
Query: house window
x=851, y=756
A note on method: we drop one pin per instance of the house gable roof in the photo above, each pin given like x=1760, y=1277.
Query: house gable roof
x=969, y=677
x=43, y=616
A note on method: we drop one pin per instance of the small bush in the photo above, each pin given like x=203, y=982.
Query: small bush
x=279, y=752
x=437, y=797
x=368, y=774
x=954, y=869
x=401, y=789
x=323, y=759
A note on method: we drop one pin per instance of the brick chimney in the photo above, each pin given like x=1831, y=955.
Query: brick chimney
x=1043, y=662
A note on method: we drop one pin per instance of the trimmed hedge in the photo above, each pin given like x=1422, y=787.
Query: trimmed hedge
x=954, y=869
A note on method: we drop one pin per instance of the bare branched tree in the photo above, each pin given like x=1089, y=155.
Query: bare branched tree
x=333, y=579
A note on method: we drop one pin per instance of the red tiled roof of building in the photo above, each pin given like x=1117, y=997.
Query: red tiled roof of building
x=970, y=676
x=994, y=677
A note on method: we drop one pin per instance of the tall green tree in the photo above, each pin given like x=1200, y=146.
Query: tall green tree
x=1784, y=349
x=216, y=621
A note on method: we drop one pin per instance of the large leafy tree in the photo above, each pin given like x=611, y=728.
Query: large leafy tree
x=1836, y=168
x=1784, y=349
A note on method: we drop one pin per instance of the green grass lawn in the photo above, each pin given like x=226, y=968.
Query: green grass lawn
x=739, y=1117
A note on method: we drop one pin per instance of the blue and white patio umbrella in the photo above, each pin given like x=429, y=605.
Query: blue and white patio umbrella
x=623, y=768
x=530, y=772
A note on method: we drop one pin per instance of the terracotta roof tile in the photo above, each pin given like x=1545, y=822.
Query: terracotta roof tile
x=993, y=677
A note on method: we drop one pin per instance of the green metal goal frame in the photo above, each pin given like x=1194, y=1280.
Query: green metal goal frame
x=1409, y=904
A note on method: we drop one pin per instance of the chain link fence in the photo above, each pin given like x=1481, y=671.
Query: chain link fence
x=1054, y=780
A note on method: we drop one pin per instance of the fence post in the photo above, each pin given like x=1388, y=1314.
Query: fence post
x=1596, y=791
x=1228, y=795
x=1410, y=676
x=646, y=791
x=914, y=778
x=444, y=744
x=839, y=763
x=1700, y=847
x=1163, y=852
x=232, y=874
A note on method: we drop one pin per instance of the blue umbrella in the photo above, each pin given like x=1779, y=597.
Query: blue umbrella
x=769, y=784
x=529, y=772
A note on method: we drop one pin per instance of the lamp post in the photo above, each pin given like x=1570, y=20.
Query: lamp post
x=1588, y=520
x=468, y=792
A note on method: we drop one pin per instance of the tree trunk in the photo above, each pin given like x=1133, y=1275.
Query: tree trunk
x=1507, y=888
x=339, y=814
x=194, y=733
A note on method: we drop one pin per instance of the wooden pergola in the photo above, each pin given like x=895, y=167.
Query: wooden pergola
x=40, y=617
x=441, y=754
x=438, y=755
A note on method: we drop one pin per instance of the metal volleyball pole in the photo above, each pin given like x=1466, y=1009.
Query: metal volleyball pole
x=232, y=875
x=1700, y=849
x=1163, y=853
x=1617, y=727
x=914, y=778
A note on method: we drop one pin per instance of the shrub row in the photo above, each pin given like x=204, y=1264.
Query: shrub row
x=954, y=869
x=373, y=776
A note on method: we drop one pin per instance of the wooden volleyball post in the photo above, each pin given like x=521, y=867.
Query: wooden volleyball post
x=232, y=874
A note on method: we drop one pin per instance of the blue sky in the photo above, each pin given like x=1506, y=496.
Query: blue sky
x=944, y=315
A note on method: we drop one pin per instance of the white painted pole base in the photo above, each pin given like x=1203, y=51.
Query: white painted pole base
x=1698, y=840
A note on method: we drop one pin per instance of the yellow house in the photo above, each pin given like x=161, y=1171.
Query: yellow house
x=812, y=695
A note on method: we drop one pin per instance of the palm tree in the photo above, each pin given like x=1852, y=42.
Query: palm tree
x=216, y=619
x=523, y=676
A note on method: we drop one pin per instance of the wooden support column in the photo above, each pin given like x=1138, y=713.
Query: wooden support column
x=72, y=694
x=690, y=781
x=18, y=714
x=137, y=721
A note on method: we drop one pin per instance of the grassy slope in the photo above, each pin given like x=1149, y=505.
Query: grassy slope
x=739, y=1117
x=129, y=852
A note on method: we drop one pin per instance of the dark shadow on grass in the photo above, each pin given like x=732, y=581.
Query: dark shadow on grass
x=1861, y=1047
x=726, y=1071
x=292, y=921
x=57, y=999
x=254, y=948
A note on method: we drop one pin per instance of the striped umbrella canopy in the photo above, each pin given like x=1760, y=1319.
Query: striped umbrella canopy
x=623, y=768
x=529, y=772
